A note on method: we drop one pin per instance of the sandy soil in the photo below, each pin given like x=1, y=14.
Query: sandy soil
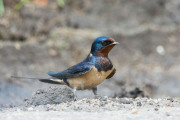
x=58, y=103
x=103, y=108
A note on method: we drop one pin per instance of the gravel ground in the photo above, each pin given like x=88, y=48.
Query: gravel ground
x=102, y=108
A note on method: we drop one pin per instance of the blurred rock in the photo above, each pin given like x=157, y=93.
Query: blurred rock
x=131, y=94
x=51, y=95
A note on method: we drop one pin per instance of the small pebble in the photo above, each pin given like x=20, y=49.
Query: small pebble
x=30, y=109
x=102, y=104
x=134, y=111
x=156, y=109
x=25, y=100
x=125, y=101
x=38, y=92
x=103, y=99
x=156, y=101
x=17, y=46
x=167, y=114
x=159, y=99
x=150, y=103
x=139, y=104
x=18, y=110
x=171, y=99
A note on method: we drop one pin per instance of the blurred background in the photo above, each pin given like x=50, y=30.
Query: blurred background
x=37, y=36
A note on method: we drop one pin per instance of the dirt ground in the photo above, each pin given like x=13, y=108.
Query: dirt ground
x=104, y=108
x=39, y=38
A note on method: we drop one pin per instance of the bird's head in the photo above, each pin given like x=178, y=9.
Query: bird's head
x=102, y=46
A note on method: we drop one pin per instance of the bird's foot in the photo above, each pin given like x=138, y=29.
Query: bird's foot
x=98, y=97
x=75, y=98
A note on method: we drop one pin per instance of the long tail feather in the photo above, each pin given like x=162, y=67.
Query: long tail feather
x=46, y=80
x=25, y=78
x=52, y=81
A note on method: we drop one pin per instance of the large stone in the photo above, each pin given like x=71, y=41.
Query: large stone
x=52, y=95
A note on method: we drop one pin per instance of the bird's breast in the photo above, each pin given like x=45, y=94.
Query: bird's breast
x=89, y=79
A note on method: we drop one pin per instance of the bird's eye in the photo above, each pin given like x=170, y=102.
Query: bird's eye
x=105, y=43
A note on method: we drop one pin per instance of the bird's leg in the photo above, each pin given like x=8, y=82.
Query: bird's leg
x=75, y=96
x=94, y=89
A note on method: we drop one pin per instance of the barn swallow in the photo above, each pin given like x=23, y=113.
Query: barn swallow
x=91, y=71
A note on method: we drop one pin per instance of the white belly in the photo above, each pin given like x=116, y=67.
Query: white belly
x=89, y=79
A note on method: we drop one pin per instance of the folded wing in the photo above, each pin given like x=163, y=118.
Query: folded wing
x=74, y=71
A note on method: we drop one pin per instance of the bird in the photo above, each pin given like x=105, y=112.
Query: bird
x=89, y=73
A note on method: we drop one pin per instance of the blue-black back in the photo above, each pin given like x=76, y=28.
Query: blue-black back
x=101, y=63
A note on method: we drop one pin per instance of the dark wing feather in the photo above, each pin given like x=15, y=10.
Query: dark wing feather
x=74, y=71
x=111, y=74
